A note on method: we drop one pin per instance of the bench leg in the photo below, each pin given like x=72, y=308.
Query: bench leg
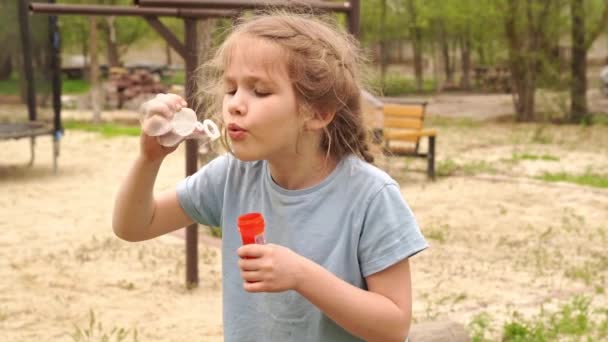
x=431, y=158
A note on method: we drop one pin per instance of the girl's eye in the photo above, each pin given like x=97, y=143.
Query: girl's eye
x=261, y=93
x=230, y=91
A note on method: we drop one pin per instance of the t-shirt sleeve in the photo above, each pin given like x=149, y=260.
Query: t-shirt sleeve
x=201, y=195
x=390, y=232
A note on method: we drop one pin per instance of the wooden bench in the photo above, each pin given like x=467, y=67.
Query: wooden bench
x=403, y=129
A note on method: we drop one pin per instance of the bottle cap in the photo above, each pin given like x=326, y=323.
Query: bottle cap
x=251, y=227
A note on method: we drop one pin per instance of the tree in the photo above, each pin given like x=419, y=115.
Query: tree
x=526, y=26
x=94, y=72
x=581, y=42
x=415, y=32
x=118, y=33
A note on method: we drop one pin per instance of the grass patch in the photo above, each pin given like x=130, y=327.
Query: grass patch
x=439, y=121
x=177, y=77
x=216, y=231
x=396, y=84
x=528, y=156
x=480, y=327
x=95, y=331
x=449, y=167
x=9, y=87
x=438, y=233
x=105, y=129
x=589, y=179
x=599, y=119
x=69, y=86
x=573, y=320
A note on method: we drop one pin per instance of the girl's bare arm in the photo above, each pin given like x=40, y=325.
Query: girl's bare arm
x=138, y=215
x=383, y=313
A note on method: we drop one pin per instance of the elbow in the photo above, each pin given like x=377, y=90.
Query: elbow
x=124, y=233
x=123, y=236
x=401, y=331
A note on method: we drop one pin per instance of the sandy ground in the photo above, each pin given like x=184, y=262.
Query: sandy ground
x=501, y=241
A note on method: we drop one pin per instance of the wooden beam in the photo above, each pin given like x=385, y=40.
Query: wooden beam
x=164, y=32
x=247, y=4
x=129, y=11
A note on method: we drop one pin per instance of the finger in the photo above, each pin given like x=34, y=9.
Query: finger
x=249, y=264
x=173, y=101
x=166, y=99
x=250, y=251
x=254, y=287
x=156, y=125
x=251, y=276
x=177, y=100
x=156, y=107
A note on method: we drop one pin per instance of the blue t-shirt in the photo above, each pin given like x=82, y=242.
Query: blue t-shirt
x=354, y=223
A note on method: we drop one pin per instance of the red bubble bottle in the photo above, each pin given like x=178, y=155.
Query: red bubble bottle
x=251, y=226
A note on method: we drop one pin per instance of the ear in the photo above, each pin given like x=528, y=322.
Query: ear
x=318, y=121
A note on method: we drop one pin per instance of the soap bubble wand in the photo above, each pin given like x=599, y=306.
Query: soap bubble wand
x=184, y=125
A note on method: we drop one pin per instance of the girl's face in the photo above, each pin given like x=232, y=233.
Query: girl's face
x=259, y=106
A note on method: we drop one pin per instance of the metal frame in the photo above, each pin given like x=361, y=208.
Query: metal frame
x=191, y=11
x=34, y=128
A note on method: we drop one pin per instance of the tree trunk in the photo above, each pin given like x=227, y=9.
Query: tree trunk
x=525, y=40
x=94, y=71
x=465, y=50
x=383, y=57
x=444, y=46
x=416, y=37
x=578, y=87
x=111, y=42
x=6, y=67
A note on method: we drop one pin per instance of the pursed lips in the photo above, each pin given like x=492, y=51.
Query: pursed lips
x=236, y=132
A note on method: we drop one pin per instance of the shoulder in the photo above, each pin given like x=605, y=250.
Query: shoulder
x=361, y=174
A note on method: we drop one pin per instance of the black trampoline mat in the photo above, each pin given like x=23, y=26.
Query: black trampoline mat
x=16, y=130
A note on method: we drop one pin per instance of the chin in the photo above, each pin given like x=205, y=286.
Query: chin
x=246, y=156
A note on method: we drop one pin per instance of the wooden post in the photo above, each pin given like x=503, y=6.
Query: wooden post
x=94, y=70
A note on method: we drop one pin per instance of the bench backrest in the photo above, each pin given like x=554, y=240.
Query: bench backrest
x=403, y=118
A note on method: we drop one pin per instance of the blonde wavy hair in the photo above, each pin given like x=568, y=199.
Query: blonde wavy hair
x=323, y=64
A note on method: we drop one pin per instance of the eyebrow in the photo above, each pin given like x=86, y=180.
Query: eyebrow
x=251, y=79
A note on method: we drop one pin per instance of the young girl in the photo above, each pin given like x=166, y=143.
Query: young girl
x=339, y=234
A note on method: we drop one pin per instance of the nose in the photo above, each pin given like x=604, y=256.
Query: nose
x=236, y=104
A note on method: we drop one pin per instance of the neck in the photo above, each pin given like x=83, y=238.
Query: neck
x=303, y=170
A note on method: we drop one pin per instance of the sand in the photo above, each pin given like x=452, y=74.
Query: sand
x=501, y=240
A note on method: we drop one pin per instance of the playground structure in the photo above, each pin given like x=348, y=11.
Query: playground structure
x=191, y=11
x=45, y=70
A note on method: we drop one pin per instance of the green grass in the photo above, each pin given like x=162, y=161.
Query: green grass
x=178, y=77
x=216, y=231
x=574, y=320
x=105, y=129
x=96, y=331
x=442, y=121
x=396, y=84
x=528, y=156
x=589, y=179
x=74, y=86
x=449, y=167
x=599, y=119
x=11, y=86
